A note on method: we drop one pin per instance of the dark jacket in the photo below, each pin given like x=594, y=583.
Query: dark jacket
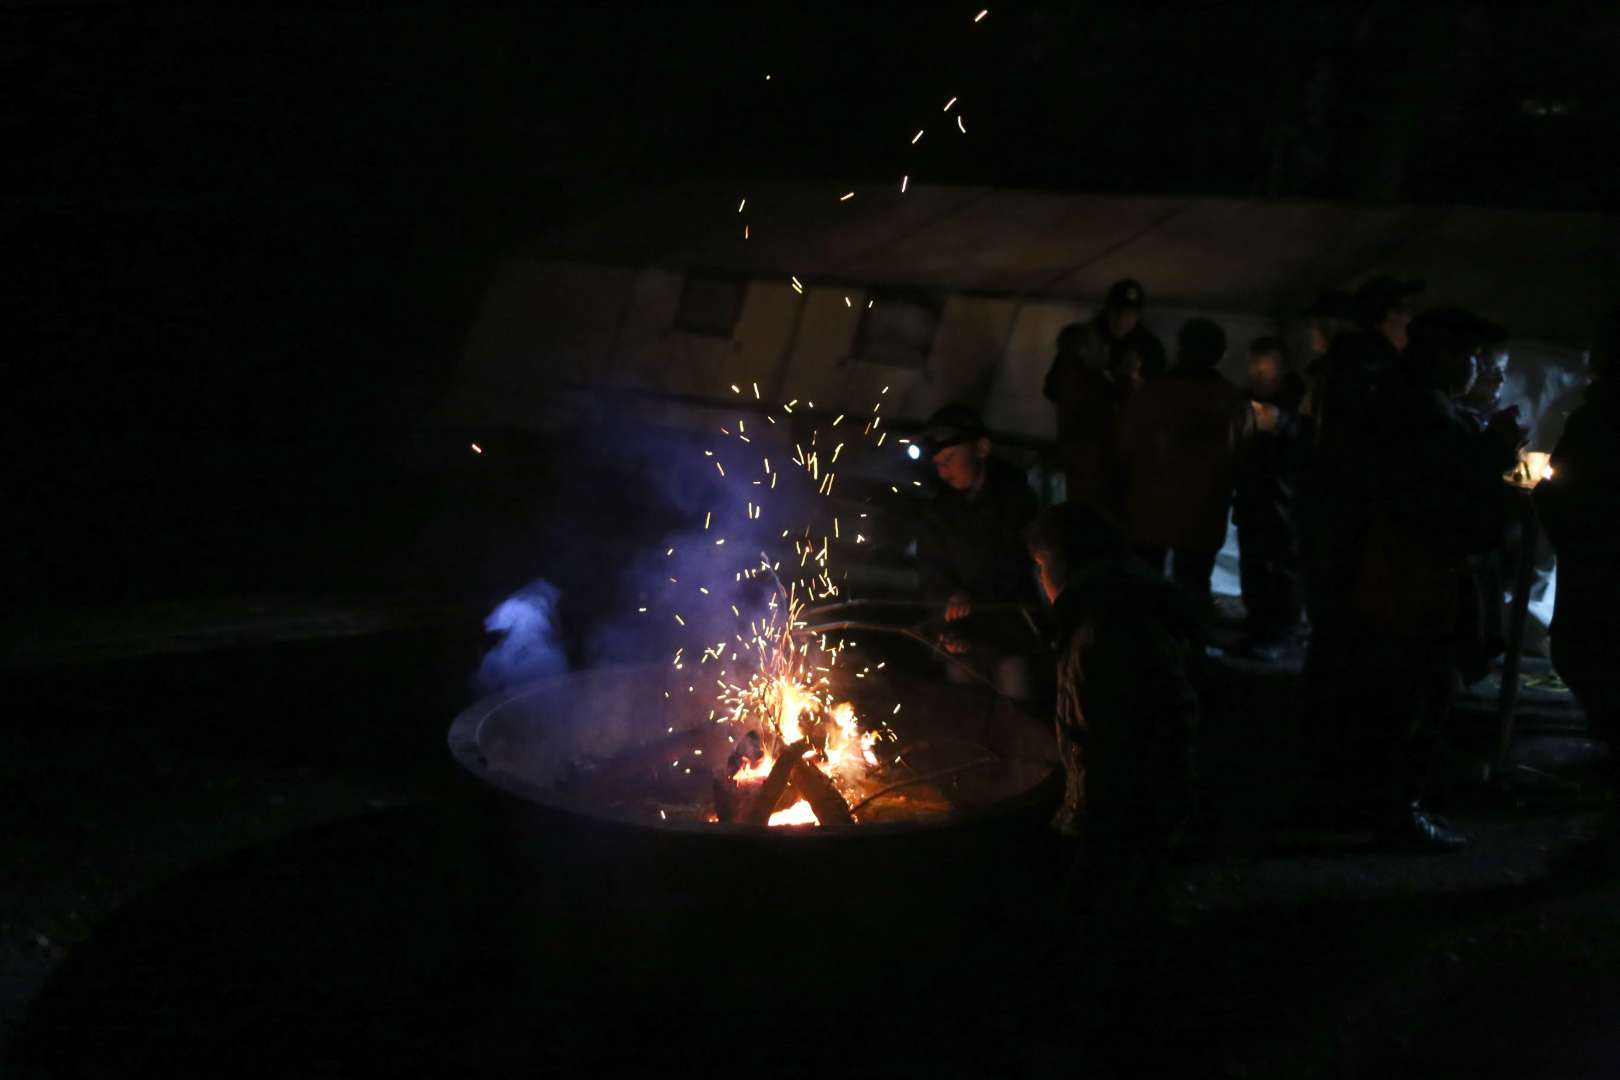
x=1088, y=413
x=1336, y=484
x=974, y=544
x=1126, y=709
x=1579, y=506
x=1267, y=475
x=1097, y=345
x=1436, y=498
x=1179, y=440
x=1350, y=381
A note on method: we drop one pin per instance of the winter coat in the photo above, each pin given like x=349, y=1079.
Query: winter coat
x=1088, y=412
x=1267, y=476
x=1436, y=499
x=1579, y=506
x=1126, y=710
x=974, y=544
x=1179, y=440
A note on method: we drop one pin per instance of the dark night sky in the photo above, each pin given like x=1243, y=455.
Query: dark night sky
x=270, y=228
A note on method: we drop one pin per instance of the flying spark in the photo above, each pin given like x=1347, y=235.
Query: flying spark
x=976, y=18
x=959, y=126
x=904, y=180
x=476, y=448
x=745, y=201
x=947, y=108
x=846, y=198
x=917, y=136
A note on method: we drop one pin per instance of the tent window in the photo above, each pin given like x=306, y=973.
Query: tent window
x=897, y=330
x=709, y=305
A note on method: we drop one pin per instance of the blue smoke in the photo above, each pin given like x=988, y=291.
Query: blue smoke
x=531, y=648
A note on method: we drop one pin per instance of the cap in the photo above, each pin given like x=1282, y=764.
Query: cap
x=1125, y=294
x=950, y=426
x=1455, y=327
x=1378, y=294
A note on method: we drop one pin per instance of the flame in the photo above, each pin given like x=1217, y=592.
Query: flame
x=797, y=814
x=755, y=772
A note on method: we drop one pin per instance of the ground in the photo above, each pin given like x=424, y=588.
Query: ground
x=254, y=855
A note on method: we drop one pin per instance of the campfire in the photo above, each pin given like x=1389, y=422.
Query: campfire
x=782, y=749
x=766, y=716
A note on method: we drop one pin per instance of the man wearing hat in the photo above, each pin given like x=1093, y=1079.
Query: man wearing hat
x=971, y=556
x=1118, y=324
x=1436, y=501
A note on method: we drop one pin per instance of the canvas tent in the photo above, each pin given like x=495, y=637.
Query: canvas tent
x=957, y=293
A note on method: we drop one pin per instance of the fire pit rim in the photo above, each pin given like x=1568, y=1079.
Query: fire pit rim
x=463, y=740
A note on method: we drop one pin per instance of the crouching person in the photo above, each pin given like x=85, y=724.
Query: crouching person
x=1126, y=709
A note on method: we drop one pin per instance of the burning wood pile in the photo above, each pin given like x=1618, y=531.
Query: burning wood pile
x=764, y=716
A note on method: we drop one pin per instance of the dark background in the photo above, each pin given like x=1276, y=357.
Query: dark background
x=242, y=249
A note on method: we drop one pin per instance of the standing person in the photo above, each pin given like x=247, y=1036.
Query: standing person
x=1126, y=717
x=1334, y=483
x=1332, y=314
x=1179, y=439
x=970, y=551
x=1088, y=404
x=1119, y=322
x=1354, y=366
x=1490, y=571
x=1126, y=710
x=1580, y=510
x=1263, y=504
x=1437, y=502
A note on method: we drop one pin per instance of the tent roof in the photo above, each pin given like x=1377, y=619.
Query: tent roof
x=1546, y=275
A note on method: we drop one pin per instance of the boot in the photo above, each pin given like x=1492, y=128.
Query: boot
x=1413, y=827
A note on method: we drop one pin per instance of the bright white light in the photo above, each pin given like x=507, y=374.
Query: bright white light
x=913, y=453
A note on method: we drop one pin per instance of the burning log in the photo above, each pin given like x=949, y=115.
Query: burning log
x=775, y=786
x=725, y=800
x=818, y=790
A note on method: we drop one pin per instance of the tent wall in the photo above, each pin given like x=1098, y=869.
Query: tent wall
x=547, y=326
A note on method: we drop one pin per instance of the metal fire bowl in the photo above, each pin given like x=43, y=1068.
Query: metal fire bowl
x=524, y=744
